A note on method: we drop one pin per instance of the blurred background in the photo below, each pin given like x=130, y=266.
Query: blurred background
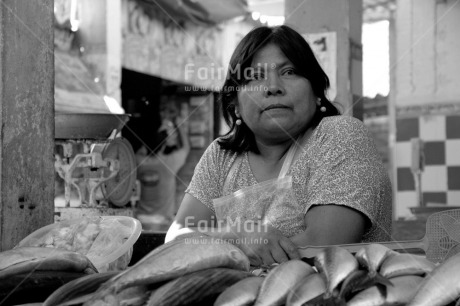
x=394, y=64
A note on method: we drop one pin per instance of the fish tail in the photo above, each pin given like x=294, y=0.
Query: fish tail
x=91, y=268
x=379, y=279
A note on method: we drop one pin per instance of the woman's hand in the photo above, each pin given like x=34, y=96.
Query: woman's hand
x=263, y=244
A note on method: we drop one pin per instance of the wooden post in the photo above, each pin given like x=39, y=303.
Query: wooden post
x=26, y=118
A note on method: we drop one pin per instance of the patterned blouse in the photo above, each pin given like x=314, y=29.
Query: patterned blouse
x=338, y=165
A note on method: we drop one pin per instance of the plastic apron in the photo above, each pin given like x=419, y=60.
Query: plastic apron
x=270, y=202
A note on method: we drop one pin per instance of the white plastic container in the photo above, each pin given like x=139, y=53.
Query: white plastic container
x=111, y=242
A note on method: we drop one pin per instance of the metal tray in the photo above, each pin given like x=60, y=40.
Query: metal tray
x=88, y=126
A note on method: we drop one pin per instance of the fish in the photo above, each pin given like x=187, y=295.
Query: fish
x=280, y=281
x=28, y=259
x=171, y=260
x=441, y=286
x=200, y=287
x=356, y=281
x=335, y=264
x=403, y=289
x=406, y=264
x=306, y=290
x=372, y=256
x=79, y=287
x=242, y=293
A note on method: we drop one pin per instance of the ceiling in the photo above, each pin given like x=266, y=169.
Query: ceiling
x=373, y=10
x=267, y=7
x=210, y=12
x=202, y=12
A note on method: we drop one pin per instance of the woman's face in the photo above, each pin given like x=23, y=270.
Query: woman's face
x=277, y=103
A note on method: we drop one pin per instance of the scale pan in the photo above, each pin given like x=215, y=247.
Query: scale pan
x=87, y=126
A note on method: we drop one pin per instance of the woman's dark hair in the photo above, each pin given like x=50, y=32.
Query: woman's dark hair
x=240, y=138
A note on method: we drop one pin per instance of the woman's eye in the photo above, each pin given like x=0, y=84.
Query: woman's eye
x=289, y=71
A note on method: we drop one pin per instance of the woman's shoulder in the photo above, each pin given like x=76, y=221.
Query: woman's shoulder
x=343, y=126
x=215, y=150
x=341, y=121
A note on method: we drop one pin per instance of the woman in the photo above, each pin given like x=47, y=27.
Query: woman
x=333, y=188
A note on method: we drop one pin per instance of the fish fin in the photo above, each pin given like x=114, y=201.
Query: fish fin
x=356, y=281
x=458, y=303
x=382, y=289
x=91, y=268
x=379, y=279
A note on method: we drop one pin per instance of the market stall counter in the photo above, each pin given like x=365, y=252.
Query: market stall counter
x=196, y=269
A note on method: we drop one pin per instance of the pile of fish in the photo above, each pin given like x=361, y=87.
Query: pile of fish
x=208, y=271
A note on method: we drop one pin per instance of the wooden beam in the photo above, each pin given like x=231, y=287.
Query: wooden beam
x=26, y=118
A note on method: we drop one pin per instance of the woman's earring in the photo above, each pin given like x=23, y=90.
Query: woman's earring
x=238, y=120
x=322, y=108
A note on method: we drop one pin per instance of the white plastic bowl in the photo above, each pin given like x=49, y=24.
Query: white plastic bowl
x=112, y=259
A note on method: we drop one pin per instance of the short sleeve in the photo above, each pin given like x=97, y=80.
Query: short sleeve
x=206, y=183
x=348, y=171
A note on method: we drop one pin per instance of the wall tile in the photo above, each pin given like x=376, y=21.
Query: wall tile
x=405, y=179
x=403, y=154
x=434, y=178
x=452, y=127
x=435, y=197
x=407, y=128
x=433, y=127
x=453, y=198
x=453, y=152
x=435, y=153
x=405, y=200
x=453, y=178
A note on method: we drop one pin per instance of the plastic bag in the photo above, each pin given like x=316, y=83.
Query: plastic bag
x=76, y=237
x=269, y=203
x=107, y=245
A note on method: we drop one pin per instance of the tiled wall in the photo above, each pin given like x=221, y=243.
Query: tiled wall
x=440, y=182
